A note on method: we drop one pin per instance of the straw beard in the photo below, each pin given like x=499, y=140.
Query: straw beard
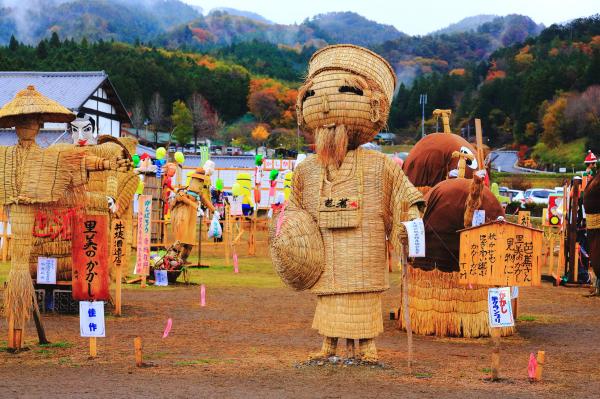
x=331, y=145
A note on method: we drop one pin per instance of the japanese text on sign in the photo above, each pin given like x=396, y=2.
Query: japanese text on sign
x=160, y=278
x=142, y=265
x=500, y=307
x=54, y=224
x=500, y=254
x=90, y=258
x=416, y=238
x=91, y=319
x=46, y=271
x=118, y=242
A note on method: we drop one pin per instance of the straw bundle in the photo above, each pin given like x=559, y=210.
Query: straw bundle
x=297, y=252
x=440, y=306
x=29, y=103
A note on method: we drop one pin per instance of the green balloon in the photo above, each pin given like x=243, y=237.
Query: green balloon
x=273, y=174
x=219, y=184
x=258, y=160
x=136, y=160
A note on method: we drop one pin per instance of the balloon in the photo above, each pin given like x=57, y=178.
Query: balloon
x=179, y=158
x=140, y=188
x=236, y=190
x=161, y=152
x=273, y=174
x=219, y=184
x=258, y=160
x=136, y=160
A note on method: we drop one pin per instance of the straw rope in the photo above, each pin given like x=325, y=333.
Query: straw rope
x=440, y=306
x=474, y=200
x=352, y=316
x=592, y=221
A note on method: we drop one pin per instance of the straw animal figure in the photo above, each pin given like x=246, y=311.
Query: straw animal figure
x=184, y=210
x=348, y=199
x=33, y=178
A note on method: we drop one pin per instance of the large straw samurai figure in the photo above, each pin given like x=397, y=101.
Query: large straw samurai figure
x=355, y=197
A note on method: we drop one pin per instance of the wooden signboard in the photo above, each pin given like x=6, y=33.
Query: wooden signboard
x=500, y=254
x=90, y=258
x=524, y=218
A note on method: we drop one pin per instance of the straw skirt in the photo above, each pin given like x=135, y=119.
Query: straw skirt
x=352, y=316
x=440, y=306
x=183, y=220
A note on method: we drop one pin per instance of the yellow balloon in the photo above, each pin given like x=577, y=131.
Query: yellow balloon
x=140, y=188
x=179, y=158
x=236, y=190
x=161, y=152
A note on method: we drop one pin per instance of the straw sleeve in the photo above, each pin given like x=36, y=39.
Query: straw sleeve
x=397, y=189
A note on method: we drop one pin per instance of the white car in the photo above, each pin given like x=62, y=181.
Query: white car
x=536, y=196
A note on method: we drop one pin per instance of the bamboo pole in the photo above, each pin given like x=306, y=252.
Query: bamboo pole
x=541, y=358
x=137, y=343
x=479, y=139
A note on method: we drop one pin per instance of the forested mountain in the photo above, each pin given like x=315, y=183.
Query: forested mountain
x=466, y=24
x=242, y=13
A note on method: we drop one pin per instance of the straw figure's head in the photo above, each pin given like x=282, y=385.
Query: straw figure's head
x=83, y=130
x=199, y=181
x=29, y=110
x=345, y=100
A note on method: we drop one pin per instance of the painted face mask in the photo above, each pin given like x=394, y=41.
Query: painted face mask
x=83, y=130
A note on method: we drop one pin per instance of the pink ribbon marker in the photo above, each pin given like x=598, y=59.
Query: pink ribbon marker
x=168, y=328
x=202, y=295
x=532, y=367
x=280, y=221
x=235, y=263
x=272, y=191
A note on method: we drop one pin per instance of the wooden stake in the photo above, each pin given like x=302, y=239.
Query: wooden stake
x=405, y=306
x=143, y=282
x=118, y=284
x=137, y=343
x=495, y=333
x=479, y=139
x=227, y=234
x=576, y=264
x=515, y=308
x=39, y=326
x=541, y=357
x=551, y=256
x=93, y=348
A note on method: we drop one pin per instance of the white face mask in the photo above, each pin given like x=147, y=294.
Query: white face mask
x=82, y=132
x=471, y=163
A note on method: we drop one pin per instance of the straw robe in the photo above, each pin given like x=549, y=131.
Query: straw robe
x=591, y=202
x=355, y=273
x=185, y=208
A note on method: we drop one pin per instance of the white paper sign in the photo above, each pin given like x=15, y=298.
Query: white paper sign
x=91, y=319
x=46, y=270
x=235, y=206
x=160, y=278
x=515, y=292
x=416, y=238
x=478, y=217
x=500, y=307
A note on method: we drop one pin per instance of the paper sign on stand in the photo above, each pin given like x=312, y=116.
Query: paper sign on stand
x=46, y=270
x=91, y=319
x=478, y=217
x=500, y=307
x=160, y=278
x=142, y=265
x=416, y=238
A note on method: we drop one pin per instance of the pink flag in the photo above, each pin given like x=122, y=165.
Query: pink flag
x=532, y=367
x=168, y=328
x=202, y=295
x=235, y=263
x=272, y=191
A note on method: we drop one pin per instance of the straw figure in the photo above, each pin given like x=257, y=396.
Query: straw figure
x=438, y=305
x=437, y=157
x=184, y=210
x=591, y=202
x=345, y=201
x=35, y=178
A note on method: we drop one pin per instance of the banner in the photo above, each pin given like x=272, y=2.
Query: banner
x=142, y=264
x=90, y=258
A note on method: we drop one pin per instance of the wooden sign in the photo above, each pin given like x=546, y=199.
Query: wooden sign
x=90, y=258
x=500, y=254
x=524, y=218
x=118, y=245
x=142, y=265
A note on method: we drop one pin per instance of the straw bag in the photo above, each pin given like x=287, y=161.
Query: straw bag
x=297, y=248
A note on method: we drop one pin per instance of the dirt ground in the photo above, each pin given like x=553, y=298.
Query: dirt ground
x=251, y=339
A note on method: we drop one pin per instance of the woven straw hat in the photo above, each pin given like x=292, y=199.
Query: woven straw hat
x=355, y=59
x=30, y=103
x=297, y=252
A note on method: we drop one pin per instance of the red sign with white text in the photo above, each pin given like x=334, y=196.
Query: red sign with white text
x=90, y=258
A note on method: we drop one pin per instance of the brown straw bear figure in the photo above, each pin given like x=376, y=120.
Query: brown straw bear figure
x=349, y=199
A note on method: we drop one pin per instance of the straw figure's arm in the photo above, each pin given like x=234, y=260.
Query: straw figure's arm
x=127, y=185
x=397, y=190
x=184, y=198
x=205, y=198
x=295, y=200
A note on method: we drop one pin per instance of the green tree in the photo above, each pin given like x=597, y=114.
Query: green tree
x=54, y=40
x=14, y=44
x=181, y=117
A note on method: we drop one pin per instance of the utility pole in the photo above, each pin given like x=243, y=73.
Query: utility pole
x=422, y=102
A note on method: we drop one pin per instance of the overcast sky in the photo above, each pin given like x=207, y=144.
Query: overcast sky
x=412, y=17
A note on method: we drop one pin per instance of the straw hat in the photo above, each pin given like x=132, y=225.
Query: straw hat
x=297, y=251
x=30, y=103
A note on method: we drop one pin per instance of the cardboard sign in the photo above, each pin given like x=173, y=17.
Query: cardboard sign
x=46, y=270
x=416, y=238
x=160, y=278
x=524, y=218
x=90, y=258
x=500, y=307
x=500, y=254
x=478, y=217
x=142, y=264
x=91, y=319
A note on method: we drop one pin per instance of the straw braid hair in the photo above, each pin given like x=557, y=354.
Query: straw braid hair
x=473, y=200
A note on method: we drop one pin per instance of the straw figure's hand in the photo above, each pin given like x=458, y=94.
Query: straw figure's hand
x=122, y=165
x=112, y=204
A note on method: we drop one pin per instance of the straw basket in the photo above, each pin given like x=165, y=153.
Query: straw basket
x=347, y=85
x=440, y=306
x=297, y=252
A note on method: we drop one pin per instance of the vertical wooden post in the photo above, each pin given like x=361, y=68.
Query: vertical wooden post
x=576, y=263
x=541, y=358
x=93, y=347
x=228, y=233
x=405, y=305
x=551, y=256
x=118, y=286
x=137, y=343
x=572, y=229
x=495, y=334
x=479, y=139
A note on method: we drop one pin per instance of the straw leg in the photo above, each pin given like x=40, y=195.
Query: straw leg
x=350, y=349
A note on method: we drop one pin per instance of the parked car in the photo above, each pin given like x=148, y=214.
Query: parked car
x=536, y=195
x=385, y=138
